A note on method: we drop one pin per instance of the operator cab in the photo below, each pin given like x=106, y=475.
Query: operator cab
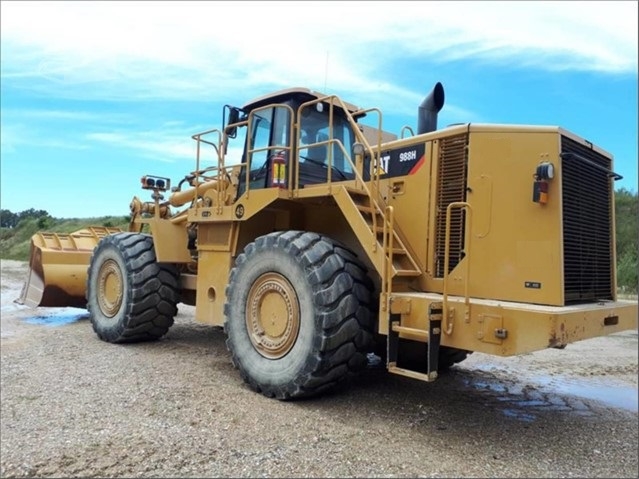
x=273, y=140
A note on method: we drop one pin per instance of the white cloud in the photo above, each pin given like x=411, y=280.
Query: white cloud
x=214, y=50
x=151, y=144
x=14, y=136
x=40, y=114
x=169, y=144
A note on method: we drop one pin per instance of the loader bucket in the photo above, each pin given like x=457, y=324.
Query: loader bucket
x=58, y=267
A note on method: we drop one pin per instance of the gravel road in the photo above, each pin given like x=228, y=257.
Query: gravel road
x=72, y=405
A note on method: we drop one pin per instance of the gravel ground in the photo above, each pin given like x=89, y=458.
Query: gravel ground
x=72, y=405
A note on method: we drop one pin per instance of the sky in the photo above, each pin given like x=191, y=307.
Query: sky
x=94, y=95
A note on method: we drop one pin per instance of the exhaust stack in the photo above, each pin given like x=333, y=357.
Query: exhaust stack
x=427, y=111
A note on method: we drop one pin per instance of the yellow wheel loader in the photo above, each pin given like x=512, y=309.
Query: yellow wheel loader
x=327, y=239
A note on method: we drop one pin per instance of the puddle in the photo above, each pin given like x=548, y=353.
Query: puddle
x=615, y=395
x=66, y=316
x=527, y=396
x=517, y=414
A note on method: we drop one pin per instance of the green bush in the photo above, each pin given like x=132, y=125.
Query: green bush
x=627, y=232
x=15, y=241
x=627, y=276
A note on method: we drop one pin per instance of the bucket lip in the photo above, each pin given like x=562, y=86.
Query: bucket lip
x=58, y=265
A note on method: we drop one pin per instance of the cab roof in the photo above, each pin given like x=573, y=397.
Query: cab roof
x=298, y=93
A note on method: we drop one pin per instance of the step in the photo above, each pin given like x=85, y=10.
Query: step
x=407, y=272
x=355, y=191
x=431, y=336
x=412, y=374
x=365, y=209
x=405, y=329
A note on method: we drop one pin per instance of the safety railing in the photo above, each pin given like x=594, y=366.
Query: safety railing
x=217, y=172
x=220, y=171
x=387, y=245
x=405, y=128
x=373, y=153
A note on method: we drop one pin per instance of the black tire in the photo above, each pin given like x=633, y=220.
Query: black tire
x=448, y=357
x=321, y=289
x=130, y=296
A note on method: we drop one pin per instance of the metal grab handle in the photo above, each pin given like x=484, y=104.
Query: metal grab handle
x=448, y=327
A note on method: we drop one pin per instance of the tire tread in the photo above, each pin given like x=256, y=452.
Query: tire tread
x=343, y=300
x=151, y=286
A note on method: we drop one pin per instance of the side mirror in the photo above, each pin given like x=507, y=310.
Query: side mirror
x=234, y=117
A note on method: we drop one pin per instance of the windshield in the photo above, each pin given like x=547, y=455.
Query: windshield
x=314, y=128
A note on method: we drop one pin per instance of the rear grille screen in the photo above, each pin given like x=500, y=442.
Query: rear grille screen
x=451, y=187
x=587, y=223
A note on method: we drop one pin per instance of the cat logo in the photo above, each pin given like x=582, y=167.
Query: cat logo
x=383, y=164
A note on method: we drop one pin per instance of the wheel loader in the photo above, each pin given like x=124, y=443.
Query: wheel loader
x=316, y=238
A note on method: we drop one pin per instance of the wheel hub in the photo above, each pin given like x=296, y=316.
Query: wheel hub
x=272, y=315
x=110, y=288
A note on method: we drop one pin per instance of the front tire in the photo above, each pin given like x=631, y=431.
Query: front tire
x=130, y=296
x=298, y=314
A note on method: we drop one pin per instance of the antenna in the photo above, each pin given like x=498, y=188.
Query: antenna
x=326, y=72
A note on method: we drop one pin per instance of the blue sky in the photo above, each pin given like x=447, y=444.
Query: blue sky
x=95, y=95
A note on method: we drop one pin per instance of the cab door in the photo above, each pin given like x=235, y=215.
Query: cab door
x=267, y=140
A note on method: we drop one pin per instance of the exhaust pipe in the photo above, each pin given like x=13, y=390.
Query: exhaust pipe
x=427, y=112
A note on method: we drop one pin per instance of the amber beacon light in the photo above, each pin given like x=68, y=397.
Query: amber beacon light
x=544, y=173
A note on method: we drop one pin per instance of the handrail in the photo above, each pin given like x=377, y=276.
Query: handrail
x=293, y=186
x=448, y=327
x=387, y=246
x=220, y=170
x=220, y=159
x=328, y=142
x=359, y=135
x=374, y=167
x=406, y=127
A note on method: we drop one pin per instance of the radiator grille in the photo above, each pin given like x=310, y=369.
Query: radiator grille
x=587, y=223
x=451, y=187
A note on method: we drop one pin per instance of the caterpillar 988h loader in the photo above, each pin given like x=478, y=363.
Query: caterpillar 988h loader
x=329, y=239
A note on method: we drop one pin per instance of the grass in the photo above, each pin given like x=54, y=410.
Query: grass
x=15, y=242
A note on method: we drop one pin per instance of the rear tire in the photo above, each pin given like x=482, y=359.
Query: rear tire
x=298, y=314
x=448, y=357
x=414, y=355
x=130, y=296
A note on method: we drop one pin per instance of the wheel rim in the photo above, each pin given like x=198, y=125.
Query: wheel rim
x=272, y=315
x=110, y=288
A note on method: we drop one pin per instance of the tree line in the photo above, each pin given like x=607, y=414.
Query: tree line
x=627, y=226
x=8, y=219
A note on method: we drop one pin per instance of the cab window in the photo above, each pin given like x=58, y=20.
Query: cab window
x=269, y=129
x=314, y=128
